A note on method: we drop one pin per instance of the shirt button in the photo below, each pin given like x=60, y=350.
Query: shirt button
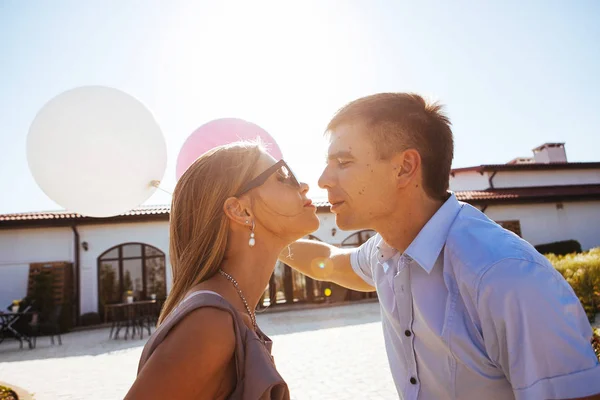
x=413, y=381
x=407, y=332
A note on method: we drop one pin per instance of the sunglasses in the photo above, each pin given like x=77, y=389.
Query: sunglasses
x=281, y=168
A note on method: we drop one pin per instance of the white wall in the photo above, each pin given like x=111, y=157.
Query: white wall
x=540, y=223
x=20, y=247
x=506, y=179
x=550, y=154
x=103, y=237
x=545, y=223
x=325, y=234
x=472, y=180
x=13, y=283
x=469, y=180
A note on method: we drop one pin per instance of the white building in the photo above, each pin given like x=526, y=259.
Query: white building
x=130, y=251
x=544, y=199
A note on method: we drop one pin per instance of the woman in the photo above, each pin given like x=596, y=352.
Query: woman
x=233, y=211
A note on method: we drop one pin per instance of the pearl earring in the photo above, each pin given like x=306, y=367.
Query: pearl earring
x=252, y=241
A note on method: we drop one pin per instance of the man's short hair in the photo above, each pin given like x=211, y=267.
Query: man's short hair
x=401, y=121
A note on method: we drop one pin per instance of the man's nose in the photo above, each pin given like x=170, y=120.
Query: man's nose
x=325, y=180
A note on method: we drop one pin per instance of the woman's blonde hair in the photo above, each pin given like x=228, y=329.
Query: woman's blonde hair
x=198, y=225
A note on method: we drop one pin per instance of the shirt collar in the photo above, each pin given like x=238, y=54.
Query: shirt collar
x=427, y=246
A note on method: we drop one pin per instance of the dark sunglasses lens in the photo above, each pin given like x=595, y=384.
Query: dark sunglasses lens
x=285, y=172
x=293, y=178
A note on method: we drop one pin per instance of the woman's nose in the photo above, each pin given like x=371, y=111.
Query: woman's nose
x=303, y=187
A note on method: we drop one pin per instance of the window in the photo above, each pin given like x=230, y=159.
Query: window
x=513, y=226
x=358, y=238
x=355, y=240
x=137, y=267
x=288, y=286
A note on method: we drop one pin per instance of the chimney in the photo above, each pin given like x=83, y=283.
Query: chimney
x=550, y=153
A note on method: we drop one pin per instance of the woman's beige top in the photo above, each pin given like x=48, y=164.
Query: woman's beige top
x=257, y=377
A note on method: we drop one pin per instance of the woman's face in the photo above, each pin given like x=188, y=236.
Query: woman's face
x=280, y=204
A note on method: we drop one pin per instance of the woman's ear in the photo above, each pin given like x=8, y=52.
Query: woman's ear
x=237, y=211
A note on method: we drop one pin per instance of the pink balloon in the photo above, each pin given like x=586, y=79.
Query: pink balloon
x=219, y=132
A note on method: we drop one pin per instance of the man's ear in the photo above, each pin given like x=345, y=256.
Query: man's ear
x=237, y=211
x=406, y=166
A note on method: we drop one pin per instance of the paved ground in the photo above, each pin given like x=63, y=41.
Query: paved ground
x=327, y=353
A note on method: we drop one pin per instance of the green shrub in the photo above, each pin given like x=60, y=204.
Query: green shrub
x=596, y=342
x=7, y=393
x=582, y=271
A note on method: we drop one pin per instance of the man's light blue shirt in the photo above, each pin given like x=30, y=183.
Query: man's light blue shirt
x=471, y=311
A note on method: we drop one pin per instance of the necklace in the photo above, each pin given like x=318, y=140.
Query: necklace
x=237, y=288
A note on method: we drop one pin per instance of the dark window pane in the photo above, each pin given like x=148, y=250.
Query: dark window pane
x=109, y=283
x=114, y=253
x=513, y=226
x=266, y=301
x=156, y=277
x=132, y=250
x=366, y=235
x=132, y=277
x=299, y=286
x=152, y=251
x=358, y=238
x=279, y=288
x=318, y=288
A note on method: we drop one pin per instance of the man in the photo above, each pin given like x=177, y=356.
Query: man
x=469, y=310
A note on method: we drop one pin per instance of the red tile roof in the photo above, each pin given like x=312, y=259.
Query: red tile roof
x=522, y=194
x=161, y=212
x=66, y=217
x=528, y=167
x=530, y=194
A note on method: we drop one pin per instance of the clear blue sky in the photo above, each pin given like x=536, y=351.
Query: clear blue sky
x=512, y=75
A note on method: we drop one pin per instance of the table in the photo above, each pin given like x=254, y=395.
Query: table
x=138, y=316
x=7, y=320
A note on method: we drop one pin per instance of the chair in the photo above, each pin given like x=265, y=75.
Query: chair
x=14, y=324
x=50, y=325
x=145, y=318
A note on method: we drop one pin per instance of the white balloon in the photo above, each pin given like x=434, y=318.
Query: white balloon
x=96, y=151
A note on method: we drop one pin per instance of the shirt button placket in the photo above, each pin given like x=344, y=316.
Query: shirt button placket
x=406, y=261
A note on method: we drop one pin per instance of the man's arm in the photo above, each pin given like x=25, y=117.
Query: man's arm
x=324, y=262
x=536, y=331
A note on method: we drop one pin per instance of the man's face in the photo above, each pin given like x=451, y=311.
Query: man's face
x=360, y=186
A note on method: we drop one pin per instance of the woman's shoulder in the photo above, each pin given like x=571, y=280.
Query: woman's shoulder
x=202, y=328
x=195, y=322
x=203, y=325
x=202, y=337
